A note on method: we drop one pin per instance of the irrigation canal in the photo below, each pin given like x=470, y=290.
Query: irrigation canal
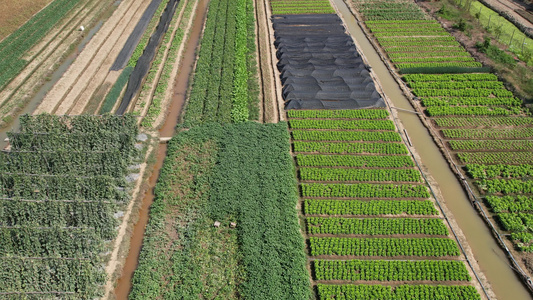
x=493, y=262
x=167, y=130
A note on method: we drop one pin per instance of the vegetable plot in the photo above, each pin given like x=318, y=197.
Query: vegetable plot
x=60, y=189
x=348, y=217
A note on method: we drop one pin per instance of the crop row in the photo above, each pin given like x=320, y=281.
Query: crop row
x=449, y=77
x=220, y=85
x=46, y=123
x=327, y=174
x=483, y=122
x=342, y=124
x=436, y=111
x=439, y=65
x=390, y=11
x=81, y=278
x=369, y=161
x=449, y=101
x=454, y=53
x=401, y=23
x=422, y=49
x=492, y=158
x=485, y=84
x=375, y=226
x=494, y=171
x=505, y=186
x=328, y=147
x=369, y=208
x=308, y=135
x=453, y=92
x=383, y=246
x=364, y=190
x=58, y=220
x=516, y=222
x=523, y=241
x=281, y=7
x=14, y=47
x=511, y=204
x=431, y=59
x=401, y=292
x=487, y=145
x=496, y=133
x=398, y=31
x=385, y=40
x=345, y=114
x=364, y=270
x=407, y=29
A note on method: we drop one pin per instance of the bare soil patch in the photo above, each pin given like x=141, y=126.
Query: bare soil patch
x=15, y=13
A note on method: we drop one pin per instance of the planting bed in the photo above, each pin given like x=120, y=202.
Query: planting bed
x=371, y=240
x=224, y=79
x=480, y=123
x=61, y=186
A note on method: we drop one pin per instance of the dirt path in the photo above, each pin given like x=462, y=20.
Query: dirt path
x=81, y=72
x=269, y=60
x=98, y=68
x=102, y=73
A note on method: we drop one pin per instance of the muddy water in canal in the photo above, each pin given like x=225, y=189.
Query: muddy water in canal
x=178, y=99
x=487, y=252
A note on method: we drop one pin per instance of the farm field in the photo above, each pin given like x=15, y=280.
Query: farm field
x=212, y=174
x=483, y=128
x=371, y=222
x=328, y=205
x=14, y=14
x=224, y=87
x=62, y=184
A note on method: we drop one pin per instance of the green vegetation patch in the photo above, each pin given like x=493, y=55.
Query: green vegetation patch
x=60, y=189
x=293, y=7
x=420, y=292
x=212, y=174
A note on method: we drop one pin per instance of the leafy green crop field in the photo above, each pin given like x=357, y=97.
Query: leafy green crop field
x=295, y=7
x=352, y=235
x=224, y=89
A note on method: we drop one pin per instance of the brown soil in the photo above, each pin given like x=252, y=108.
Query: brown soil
x=89, y=70
x=15, y=13
x=266, y=72
x=180, y=66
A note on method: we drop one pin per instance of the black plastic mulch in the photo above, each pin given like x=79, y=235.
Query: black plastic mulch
x=319, y=64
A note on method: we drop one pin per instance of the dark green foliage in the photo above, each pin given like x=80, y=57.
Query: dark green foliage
x=495, y=53
x=247, y=177
x=420, y=292
x=442, y=70
x=115, y=91
x=254, y=183
x=59, y=197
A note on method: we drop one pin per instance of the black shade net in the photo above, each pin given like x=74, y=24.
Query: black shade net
x=319, y=65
